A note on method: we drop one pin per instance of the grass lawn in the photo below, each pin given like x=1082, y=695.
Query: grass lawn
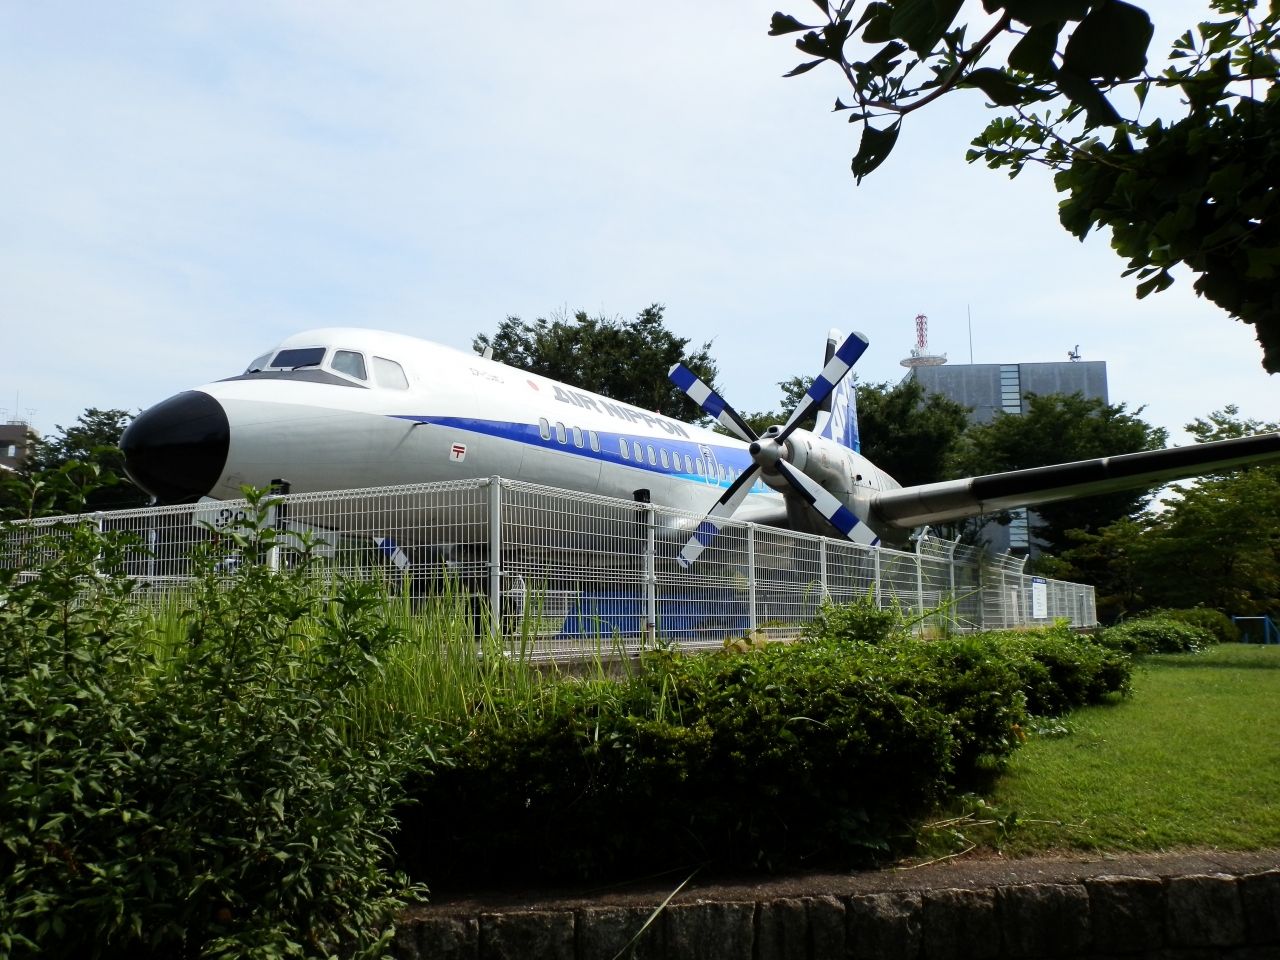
x=1191, y=759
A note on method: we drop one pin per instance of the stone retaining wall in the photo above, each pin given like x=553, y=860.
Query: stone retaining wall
x=1197, y=917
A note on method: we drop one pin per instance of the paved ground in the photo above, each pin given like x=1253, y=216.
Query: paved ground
x=992, y=871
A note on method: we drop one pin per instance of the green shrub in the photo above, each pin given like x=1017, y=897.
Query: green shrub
x=793, y=756
x=1157, y=636
x=1214, y=621
x=202, y=805
x=863, y=620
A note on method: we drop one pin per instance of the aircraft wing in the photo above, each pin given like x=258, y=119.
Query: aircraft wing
x=958, y=499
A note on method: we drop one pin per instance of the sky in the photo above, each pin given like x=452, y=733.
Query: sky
x=184, y=185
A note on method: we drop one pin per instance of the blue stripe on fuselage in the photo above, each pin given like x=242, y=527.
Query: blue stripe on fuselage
x=528, y=433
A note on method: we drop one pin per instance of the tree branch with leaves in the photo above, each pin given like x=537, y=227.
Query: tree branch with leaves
x=1200, y=191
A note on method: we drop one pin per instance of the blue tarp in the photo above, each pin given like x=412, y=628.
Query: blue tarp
x=696, y=614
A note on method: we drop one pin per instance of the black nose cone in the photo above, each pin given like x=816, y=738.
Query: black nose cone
x=176, y=450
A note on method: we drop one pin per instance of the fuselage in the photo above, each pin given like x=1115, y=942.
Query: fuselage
x=367, y=408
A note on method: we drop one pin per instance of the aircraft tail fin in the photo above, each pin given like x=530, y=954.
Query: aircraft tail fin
x=838, y=415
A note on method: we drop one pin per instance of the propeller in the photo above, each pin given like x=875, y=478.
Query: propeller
x=768, y=451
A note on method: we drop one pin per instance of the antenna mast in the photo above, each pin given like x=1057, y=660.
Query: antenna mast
x=920, y=355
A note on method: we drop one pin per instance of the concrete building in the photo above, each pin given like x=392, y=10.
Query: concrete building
x=13, y=443
x=989, y=388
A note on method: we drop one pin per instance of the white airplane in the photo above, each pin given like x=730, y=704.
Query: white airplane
x=344, y=408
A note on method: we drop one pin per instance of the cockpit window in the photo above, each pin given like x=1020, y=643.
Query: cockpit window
x=259, y=363
x=389, y=374
x=293, y=359
x=350, y=363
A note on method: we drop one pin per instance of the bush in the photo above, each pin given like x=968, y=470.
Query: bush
x=863, y=620
x=1157, y=635
x=200, y=800
x=1214, y=621
x=800, y=755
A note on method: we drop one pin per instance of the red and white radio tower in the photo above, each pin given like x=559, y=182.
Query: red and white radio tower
x=920, y=355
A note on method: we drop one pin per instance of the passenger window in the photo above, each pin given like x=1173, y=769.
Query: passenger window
x=350, y=363
x=544, y=428
x=577, y=437
x=560, y=434
x=635, y=446
x=293, y=359
x=625, y=448
x=389, y=374
x=688, y=464
x=721, y=468
x=595, y=440
x=665, y=464
x=653, y=457
x=259, y=363
x=698, y=464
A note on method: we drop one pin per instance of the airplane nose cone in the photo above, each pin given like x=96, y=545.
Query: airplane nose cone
x=176, y=450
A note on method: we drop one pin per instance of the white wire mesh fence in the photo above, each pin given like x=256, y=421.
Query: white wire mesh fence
x=571, y=569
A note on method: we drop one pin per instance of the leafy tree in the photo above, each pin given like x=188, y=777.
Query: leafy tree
x=1226, y=424
x=1197, y=190
x=1214, y=544
x=620, y=359
x=94, y=438
x=1060, y=428
x=911, y=435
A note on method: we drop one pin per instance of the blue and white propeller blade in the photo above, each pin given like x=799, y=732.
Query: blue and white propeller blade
x=710, y=401
x=841, y=362
x=835, y=512
x=724, y=509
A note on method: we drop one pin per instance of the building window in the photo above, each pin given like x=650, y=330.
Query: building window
x=625, y=448
x=595, y=440
x=544, y=429
x=561, y=436
x=1010, y=388
x=577, y=436
x=1019, y=534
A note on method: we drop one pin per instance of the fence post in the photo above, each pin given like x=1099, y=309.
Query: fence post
x=920, y=570
x=751, y=578
x=495, y=555
x=650, y=578
x=822, y=567
x=875, y=583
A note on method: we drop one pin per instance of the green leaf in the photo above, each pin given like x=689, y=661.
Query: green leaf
x=1099, y=111
x=1110, y=43
x=921, y=23
x=1034, y=52
x=996, y=84
x=803, y=68
x=785, y=23
x=874, y=148
x=878, y=17
x=1161, y=281
x=1034, y=13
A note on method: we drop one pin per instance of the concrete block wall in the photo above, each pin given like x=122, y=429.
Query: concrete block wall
x=1207, y=916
